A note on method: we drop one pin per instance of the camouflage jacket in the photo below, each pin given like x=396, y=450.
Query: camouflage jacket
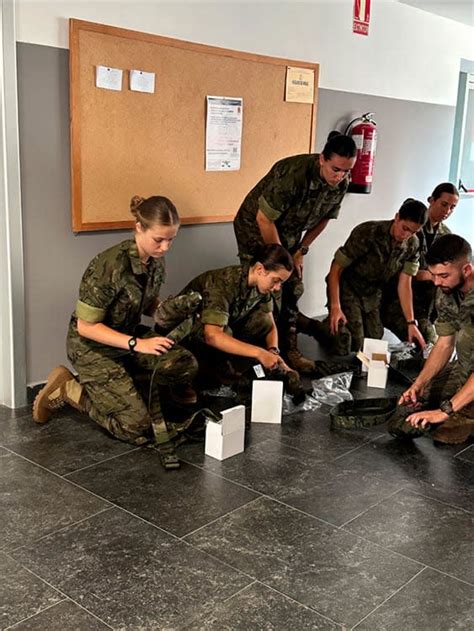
x=371, y=257
x=456, y=317
x=294, y=196
x=423, y=291
x=116, y=289
x=226, y=295
x=429, y=234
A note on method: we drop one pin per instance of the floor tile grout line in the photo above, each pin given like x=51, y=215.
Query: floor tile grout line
x=434, y=499
x=251, y=578
x=364, y=444
x=387, y=497
x=339, y=624
x=36, y=613
x=55, y=532
x=463, y=450
x=109, y=502
x=388, y=598
x=57, y=589
x=299, y=510
x=240, y=591
x=222, y=477
x=99, y=462
x=407, y=558
x=213, y=521
x=60, y=477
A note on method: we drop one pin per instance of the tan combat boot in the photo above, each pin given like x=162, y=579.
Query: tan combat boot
x=294, y=358
x=60, y=389
x=456, y=430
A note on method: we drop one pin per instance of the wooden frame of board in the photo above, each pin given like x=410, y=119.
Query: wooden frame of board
x=131, y=143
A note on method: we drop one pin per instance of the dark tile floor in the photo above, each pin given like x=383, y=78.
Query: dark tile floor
x=307, y=529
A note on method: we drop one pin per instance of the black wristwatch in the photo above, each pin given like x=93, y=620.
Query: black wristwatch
x=132, y=342
x=447, y=407
x=274, y=349
x=415, y=322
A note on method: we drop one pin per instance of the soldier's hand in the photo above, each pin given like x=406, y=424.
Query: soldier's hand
x=298, y=263
x=268, y=359
x=414, y=335
x=154, y=345
x=427, y=417
x=411, y=396
x=336, y=315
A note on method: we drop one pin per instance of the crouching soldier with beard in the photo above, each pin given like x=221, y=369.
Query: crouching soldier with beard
x=444, y=389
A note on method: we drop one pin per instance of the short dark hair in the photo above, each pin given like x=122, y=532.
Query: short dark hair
x=273, y=256
x=413, y=210
x=444, y=187
x=448, y=249
x=340, y=144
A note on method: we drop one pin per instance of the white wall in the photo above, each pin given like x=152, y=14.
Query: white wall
x=409, y=54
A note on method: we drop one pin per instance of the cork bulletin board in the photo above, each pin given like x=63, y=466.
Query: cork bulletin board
x=126, y=143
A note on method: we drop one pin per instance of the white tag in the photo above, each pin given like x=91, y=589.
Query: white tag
x=108, y=78
x=141, y=81
x=259, y=371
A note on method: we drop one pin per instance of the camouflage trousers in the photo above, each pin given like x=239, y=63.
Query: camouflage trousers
x=363, y=320
x=394, y=320
x=443, y=386
x=123, y=397
x=252, y=329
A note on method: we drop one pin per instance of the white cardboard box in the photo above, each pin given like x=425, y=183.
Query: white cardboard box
x=267, y=401
x=226, y=438
x=372, y=347
x=375, y=364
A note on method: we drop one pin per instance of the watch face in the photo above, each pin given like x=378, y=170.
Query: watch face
x=132, y=342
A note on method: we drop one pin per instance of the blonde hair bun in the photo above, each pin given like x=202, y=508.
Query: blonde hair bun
x=135, y=203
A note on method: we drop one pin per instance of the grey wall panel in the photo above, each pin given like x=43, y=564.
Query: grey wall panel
x=412, y=157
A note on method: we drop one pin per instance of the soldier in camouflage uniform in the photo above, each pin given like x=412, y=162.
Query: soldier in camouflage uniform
x=114, y=355
x=442, y=202
x=445, y=390
x=374, y=252
x=292, y=205
x=236, y=315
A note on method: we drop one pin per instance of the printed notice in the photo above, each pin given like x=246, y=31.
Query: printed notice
x=299, y=85
x=223, y=133
x=108, y=78
x=141, y=81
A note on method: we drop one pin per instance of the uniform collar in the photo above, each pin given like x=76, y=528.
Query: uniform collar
x=317, y=181
x=137, y=267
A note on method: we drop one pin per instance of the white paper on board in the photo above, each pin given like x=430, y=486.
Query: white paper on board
x=141, y=81
x=108, y=78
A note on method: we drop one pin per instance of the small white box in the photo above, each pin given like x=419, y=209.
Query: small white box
x=267, y=400
x=374, y=347
x=226, y=437
x=377, y=367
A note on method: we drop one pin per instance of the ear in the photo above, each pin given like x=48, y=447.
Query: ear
x=138, y=227
x=322, y=159
x=430, y=199
x=467, y=270
x=397, y=216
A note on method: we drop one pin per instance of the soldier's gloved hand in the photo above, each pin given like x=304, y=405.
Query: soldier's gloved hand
x=336, y=315
x=268, y=359
x=153, y=345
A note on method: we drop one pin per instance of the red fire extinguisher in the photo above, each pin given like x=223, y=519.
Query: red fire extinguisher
x=364, y=134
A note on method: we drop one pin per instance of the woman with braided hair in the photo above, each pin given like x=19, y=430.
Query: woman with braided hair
x=114, y=355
